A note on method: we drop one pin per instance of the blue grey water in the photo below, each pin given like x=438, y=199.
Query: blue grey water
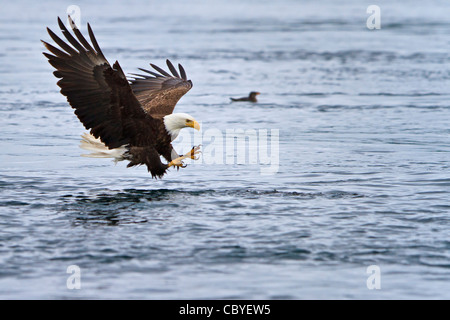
x=364, y=156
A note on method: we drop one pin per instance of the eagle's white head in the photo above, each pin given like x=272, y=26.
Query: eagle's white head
x=176, y=121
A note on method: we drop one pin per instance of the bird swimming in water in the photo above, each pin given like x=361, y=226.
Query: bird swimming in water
x=251, y=97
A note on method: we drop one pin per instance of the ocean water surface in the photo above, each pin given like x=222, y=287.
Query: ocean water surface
x=359, y=166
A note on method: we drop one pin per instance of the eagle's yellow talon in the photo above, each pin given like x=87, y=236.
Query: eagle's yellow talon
x=191, y=155
x=194, y=151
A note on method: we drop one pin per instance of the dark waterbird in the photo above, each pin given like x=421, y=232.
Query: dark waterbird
x=128, y=119
x=251, y=97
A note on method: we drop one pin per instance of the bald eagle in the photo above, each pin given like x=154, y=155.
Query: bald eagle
x=128, y=119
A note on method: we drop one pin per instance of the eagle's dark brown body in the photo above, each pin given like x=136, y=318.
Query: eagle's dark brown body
x=117, y=111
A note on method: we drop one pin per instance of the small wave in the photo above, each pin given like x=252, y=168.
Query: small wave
x=326, y=108
x=413, y=94
x=13, y=203
x=343, y=56
x=137, y=195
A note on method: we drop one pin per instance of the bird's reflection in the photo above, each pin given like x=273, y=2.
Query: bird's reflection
x=118, y=207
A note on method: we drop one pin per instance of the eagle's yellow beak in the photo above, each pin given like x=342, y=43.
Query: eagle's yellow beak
x=193, y=124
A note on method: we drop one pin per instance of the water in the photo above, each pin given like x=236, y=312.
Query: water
x=363, y=176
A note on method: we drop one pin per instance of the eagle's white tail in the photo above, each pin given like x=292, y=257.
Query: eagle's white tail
x=99, y=150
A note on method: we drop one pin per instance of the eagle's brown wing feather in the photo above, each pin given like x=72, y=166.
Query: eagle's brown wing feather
x=99, y=93
x=158, y=92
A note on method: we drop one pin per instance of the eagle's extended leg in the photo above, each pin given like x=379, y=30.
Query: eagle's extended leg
x=178, y=162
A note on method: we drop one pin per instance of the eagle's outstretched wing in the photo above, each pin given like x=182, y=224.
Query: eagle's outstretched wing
x=158, y=92
x=100, y=93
